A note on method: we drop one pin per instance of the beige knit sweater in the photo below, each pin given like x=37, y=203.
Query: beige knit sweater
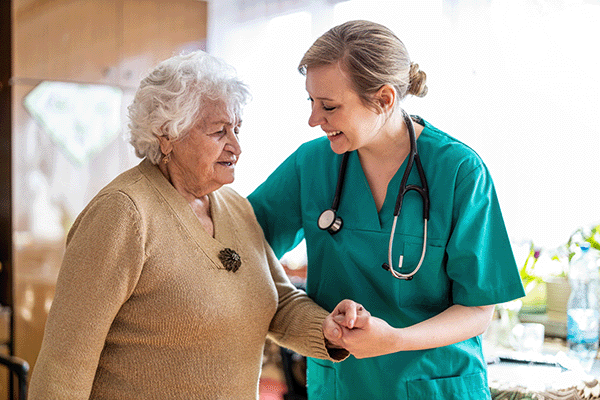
x=145, y=310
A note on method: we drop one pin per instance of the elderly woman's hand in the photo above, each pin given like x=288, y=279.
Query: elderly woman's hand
x=347, y=314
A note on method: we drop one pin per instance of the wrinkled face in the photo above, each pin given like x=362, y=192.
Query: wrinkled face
x=338, y=109
x=206, y=157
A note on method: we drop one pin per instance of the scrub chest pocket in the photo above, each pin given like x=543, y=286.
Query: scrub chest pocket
x=430, y=285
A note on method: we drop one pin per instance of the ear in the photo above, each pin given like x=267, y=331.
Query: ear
x=386, y=97
x=166, y=146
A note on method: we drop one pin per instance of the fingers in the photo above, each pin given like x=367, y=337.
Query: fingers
x=331, y=330
x=350, y=314
x=350, y=310
x=362, y=318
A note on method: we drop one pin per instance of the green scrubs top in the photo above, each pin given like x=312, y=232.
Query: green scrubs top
x=469, y=261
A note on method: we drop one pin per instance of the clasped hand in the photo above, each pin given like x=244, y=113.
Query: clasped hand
x=351, y=326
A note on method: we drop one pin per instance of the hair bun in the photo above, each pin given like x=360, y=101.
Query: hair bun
x=417, y=78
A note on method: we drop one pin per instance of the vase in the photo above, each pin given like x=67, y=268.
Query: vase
x=557, y=292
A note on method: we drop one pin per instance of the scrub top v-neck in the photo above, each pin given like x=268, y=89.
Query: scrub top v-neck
x=356, y=188
x=468, y=261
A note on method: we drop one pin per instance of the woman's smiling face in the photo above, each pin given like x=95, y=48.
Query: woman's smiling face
x=206, y=157
x=338, y=109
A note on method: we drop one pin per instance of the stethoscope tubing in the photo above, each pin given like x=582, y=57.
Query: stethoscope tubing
x=423, y=190
x=390, y=266
x=413, y=159
x=330, y=221
x=340, y=182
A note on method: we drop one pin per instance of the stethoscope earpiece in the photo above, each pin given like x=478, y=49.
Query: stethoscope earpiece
x=329, y=221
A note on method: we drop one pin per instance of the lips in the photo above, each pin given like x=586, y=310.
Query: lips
x=333, y=133
x=228, y=163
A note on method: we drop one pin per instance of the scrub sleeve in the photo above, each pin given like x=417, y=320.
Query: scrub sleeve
x=468, y=261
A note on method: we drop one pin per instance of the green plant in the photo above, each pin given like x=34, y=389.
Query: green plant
x=528, y=276
x=583, y=235
x=541, y=264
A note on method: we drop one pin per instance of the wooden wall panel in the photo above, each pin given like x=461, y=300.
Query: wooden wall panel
x=69, y=40
x=103, y=41
x=154, y=31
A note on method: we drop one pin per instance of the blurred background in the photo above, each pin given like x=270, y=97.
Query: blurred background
x=516, y=80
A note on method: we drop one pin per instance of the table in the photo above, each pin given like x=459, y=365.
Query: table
x=564, y=381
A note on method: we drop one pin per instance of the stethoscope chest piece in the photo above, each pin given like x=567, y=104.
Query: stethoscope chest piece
x=329, y=221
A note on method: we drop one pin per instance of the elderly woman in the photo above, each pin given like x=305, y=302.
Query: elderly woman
x=168, y=288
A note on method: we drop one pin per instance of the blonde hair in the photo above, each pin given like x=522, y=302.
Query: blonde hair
x=372, y=55
x=171, y=99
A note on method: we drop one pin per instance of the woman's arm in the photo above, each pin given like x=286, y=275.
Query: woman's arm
x=101, y=266
x=299, y=322
x=276, y=204
x=374, y=337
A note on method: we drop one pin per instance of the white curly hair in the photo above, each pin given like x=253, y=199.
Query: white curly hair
x=171, y=99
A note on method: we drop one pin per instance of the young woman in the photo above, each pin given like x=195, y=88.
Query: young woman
x=424, y=340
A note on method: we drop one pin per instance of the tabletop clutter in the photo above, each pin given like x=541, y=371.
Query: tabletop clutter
x=526, y=362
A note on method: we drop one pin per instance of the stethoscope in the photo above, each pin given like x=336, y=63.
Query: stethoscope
x=332, y=223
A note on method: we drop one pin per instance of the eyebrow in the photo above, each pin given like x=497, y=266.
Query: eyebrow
x=225, y=122
x=320, y=98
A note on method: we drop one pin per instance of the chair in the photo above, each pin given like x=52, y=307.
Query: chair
x=20, y=368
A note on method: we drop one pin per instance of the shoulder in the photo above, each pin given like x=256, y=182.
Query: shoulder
x=112, y=209
x=128, y=181
x=307, y=161
x=319, y=144
x=130, y=195
x=235, y=203
x=314, y=151
x=123, y=187
x=229, y=195
x=444, y=152
x=238, y=209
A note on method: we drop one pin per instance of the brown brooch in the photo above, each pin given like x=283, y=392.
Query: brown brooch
x=230, y=259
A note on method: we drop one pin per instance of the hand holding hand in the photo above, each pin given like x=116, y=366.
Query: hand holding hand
x=353, y=328
x=374, y=337
x=346, y=315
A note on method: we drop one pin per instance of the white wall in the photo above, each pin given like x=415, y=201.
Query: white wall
x=517, y=80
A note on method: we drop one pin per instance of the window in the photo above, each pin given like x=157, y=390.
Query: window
x=516, y=80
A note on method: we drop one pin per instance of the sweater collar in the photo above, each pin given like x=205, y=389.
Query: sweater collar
x=180, y=208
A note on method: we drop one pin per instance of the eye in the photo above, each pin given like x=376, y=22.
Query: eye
x=220, y=133
x=322, y=105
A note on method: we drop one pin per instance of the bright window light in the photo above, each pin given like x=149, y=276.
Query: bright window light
x=516, y=80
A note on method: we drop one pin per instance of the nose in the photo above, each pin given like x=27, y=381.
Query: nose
x=233, y=144
x=316, y=117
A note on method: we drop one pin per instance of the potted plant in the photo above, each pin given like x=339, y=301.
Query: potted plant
x=535, y=299
x=545, y=274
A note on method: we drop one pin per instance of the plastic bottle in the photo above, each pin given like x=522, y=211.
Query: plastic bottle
x=583, y=313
